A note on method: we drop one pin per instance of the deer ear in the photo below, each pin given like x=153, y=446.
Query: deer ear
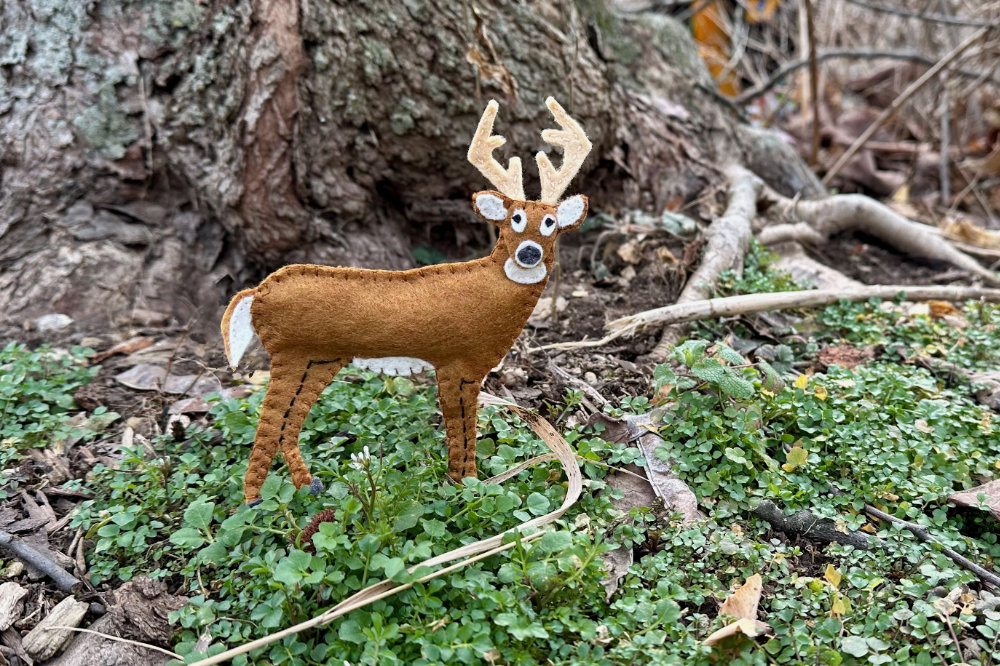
x=572, y=212
x=491, y=206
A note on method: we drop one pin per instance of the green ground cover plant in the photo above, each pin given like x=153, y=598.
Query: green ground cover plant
x=36, y=396
x=740, y=430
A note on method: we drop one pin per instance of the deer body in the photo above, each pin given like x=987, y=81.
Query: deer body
x=459, y=319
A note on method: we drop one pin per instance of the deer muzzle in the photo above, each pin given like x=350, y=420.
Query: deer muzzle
x=528, y=254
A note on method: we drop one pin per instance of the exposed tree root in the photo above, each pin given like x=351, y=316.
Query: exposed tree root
x=726, y=242
x=835, y=214
x=732, y=306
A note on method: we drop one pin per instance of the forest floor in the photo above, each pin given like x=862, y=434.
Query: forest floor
x=861, y=406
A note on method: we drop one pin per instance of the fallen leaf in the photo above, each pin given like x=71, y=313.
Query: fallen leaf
x=832, y=576
x=967, y=232
x=940, y=309
x=741, y=604
x=797, y=457
x=148, y=377
x=970, y=498
x=129, y=346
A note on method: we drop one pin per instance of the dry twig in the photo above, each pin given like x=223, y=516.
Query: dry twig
x=64, y=580
x=732, y=306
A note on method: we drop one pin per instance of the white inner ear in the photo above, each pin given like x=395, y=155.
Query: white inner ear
x=491, y=207
x=570, y=211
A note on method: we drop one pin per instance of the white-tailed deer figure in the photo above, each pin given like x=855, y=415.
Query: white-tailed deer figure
x=459, y=319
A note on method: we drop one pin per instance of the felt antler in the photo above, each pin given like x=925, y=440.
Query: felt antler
x=575, y=144
x=509, y=180
x=459, y=319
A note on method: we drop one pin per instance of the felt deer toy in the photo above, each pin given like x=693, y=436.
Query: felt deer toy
x=459, y=319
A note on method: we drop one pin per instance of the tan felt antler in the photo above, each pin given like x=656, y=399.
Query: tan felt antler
x=576, y=146
x=509, y=181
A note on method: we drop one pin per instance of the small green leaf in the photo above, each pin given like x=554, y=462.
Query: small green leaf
x=187, y=537
x=538, y=504
x=856, y=646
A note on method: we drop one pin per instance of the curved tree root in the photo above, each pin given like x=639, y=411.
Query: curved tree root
x=726, y=242
x=844, y=212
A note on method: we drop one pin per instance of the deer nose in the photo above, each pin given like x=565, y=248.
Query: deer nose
x=528, y=254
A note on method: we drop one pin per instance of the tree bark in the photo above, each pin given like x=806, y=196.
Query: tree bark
x=158, y=155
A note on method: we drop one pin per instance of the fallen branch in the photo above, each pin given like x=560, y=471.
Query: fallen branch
x=28, y=554
x=803, y=523
x=726, y=242
x=842, y=212
x=924, y=535
x=732, y=306
x=891, y=110
x=842, y=54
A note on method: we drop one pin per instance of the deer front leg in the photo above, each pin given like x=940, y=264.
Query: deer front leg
x=291, y=393
x=458, y=394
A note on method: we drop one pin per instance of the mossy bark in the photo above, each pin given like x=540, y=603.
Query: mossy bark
x=244, y=135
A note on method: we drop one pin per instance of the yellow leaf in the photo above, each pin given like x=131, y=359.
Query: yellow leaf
x=797, y=457
x=833, y=576
x=801, y=381
x=839, y=606
x=867, y=527
x=821, y=392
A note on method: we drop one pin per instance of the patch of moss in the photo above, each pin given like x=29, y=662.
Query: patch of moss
x=105, y=126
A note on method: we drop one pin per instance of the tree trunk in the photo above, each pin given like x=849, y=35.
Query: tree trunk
x=158, y=155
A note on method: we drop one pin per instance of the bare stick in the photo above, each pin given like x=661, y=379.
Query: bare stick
x=831, y=54
x=64, y=580
x=936, y=18
x=911, y=90
x=172, y=655
x=923, y=534
x=732, y=306
x=944, y=174
x=810, y=32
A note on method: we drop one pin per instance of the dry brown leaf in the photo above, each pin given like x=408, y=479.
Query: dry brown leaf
x=742, y=605
x=129, y=346
x=967, y=232
x=970, y=498
x=940, y=309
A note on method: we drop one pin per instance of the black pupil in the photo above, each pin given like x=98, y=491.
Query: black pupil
x=549, y=221
x=517, y=218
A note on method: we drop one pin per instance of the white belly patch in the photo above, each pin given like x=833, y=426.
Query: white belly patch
x=393, y=365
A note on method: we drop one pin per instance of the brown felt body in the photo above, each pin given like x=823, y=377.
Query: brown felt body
x=460, y=318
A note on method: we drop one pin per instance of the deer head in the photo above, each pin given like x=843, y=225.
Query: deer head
x=528, y=229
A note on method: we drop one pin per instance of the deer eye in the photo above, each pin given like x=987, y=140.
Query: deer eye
x=518, y=220
x=548, y=225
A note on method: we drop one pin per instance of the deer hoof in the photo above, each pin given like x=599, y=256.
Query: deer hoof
x=315, y=486
x=255, y=502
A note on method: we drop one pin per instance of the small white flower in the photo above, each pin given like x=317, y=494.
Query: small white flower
x=361, y=460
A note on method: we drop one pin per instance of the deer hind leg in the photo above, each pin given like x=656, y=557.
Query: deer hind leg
x=293, y=390
x=458, y=394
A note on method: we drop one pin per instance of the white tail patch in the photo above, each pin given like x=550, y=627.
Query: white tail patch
x=241, y=332
x=393, y=365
